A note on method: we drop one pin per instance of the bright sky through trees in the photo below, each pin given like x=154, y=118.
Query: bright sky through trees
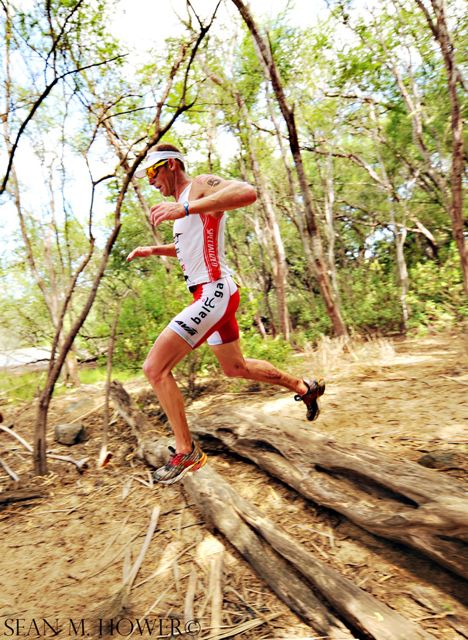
x=144, y=24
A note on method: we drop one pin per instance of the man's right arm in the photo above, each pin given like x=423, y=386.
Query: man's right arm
x=158, y=250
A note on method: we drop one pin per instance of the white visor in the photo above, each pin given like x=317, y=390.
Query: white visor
x=157, y=156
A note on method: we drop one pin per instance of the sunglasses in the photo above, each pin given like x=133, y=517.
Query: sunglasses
x=152, y=171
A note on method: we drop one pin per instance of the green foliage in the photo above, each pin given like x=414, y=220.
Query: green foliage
x=436, y=299
x=371, y=298
x=275, y=350
x=145, y=314
x=25, y=386
x=19, y=387
x=249, y=75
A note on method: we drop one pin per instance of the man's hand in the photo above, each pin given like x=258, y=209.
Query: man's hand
x=140, y=252
x=166, y=211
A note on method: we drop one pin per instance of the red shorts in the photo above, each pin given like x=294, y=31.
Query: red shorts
x=212, y=315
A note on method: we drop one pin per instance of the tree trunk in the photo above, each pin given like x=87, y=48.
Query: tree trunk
x=313, y=232
x=279, y=138
x=441, y=33
x=329, y=217
x=240, y=279
x=256, y=276
x=266, y=276
x=280, y=269
x=298, y=218
x=399, y=230
x=400, y=233
x=72, y=374
x=55, y=300
x=40, y=432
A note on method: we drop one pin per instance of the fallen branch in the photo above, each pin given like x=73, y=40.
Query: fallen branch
x=290, y=570
x=144, y=548
x=79, y=464
x=12, y=433
x=19, y=495
x=113, y=606
x=14, y=476
x=400, y=501
x=190, y=595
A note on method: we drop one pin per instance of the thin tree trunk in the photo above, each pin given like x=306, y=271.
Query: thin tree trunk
x=400, y=233
x=298, y=218
x=280, y=269
x=239, y=277
x=329, y=207
x=211, y=137
x=266, y=275
x=279, y=138
x=320, y=267
x=55, y=293
x=55, y=366
x=441, y=34
x=250, y=295
x=399, y=230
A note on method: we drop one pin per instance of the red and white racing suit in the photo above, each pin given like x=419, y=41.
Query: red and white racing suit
x=199, y=243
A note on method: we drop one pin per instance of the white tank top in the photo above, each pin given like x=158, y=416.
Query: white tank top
x=199, y=244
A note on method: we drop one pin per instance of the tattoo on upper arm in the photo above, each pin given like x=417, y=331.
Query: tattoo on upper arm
x=213, y=182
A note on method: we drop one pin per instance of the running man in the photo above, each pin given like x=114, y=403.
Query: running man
x=199, y=219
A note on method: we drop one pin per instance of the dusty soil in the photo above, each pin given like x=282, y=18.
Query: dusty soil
x=64, y=556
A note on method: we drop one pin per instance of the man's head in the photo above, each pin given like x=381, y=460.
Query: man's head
x=162, y=166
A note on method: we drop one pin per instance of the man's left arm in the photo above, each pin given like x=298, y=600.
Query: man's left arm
x=210, y=195
x=213, y=195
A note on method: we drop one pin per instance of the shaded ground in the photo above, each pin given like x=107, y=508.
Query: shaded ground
x=64, y=555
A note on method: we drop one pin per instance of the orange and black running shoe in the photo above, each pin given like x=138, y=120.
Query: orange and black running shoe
x=179, y=464
x=315, y=389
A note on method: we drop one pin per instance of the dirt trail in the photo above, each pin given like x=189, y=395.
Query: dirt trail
x=64, y=555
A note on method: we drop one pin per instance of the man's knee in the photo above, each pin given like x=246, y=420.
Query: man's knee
x=154, y=373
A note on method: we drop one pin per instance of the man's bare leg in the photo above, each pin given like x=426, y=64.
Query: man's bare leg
x=167, y=351
x=235, y=365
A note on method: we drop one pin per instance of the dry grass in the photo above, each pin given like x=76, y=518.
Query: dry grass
x=333, y=355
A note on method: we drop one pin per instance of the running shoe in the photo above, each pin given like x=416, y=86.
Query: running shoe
x=315, y=389
x=179, y=464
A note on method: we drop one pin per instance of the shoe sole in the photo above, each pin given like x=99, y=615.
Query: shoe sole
x=194, y=467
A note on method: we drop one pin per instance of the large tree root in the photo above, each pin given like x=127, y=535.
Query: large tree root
x=287, y=567
x=400, y=501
